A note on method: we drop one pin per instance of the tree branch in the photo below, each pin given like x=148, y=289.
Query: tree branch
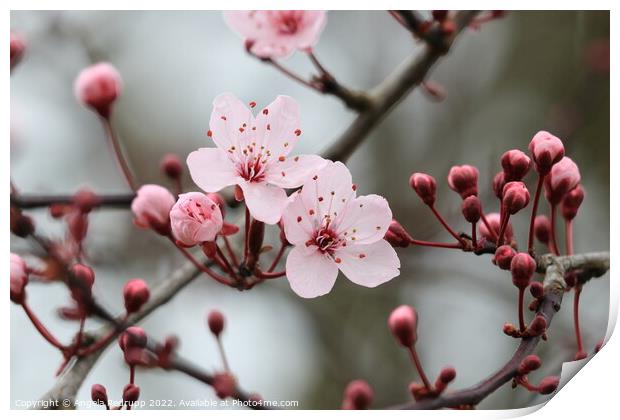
x=592, y=264
x=391, y=91
x=121, y=201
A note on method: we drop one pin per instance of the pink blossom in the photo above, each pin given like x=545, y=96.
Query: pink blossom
x=252, y=152
x=277, y=33
x=331, y=229
x=564, y=176
x=195, y=218
x=151, y=208
x=98, y=86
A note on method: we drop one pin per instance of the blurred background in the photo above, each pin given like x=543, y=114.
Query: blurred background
x=517, y=75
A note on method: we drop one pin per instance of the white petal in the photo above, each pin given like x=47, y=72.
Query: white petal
x=292, y=172
x=265, y=202
x=310, y=274
x=368, y=265
x=211, y=169
x=365, y=220
x=299, y=223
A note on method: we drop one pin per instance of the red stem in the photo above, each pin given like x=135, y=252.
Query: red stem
x=41, y=328
x=276, y=260
x=132, y=374
x=576, y=319
x=445, y=225
x=502, y=229
x=522, y=326
x=530, y=238
x=554, y=244
x=290, y=74
x=247, y=233
x=231, y=252
x=204, y=268
x=435, y=244
x=269, y=275
x=118, y=153
x=418, y=366
x=569, y=237
x=220, y=346
x=489, y=227
x=474, y=233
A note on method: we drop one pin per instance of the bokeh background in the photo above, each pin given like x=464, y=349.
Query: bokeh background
x=513, y=77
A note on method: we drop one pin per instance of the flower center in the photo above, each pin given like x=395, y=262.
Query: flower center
x=252, y=169
x=326, y=240
x=288, y=22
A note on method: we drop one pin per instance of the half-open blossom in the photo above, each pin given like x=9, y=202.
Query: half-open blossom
x=97, y=87
x=253, y=152
x=564, y=176
x=195, y=218
x=151, y=208
x=277, y=33
x=331, y=229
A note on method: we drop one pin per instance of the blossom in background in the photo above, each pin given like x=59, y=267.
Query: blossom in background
x=331, y=229
x=98, y=86
x=252, y=152
x=195, y=218
x=277, y=33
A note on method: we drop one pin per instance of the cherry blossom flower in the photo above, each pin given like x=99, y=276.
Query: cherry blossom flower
x=252, y=152
x=195, y=218
x=277, y=33
x=331, y=229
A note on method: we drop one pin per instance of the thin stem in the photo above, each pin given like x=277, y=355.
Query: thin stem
x=554, y=244
x=474, y=233
x=290, y=74
x=435, y=244
x=318, y=65
x=248, y=220
x=41, y=328
x=267, y=276
x=132, y=374
x=530, y=238
x=204, y=268
x=118, y=153
x=279, y=255
x=231, y=252
x=224, y=260
x=502, y=229
x=576, y=319
x=569, y=237
x=220, y=346
x=445, y=225
x=418, y=366
x=489, y=227
x=522, y=326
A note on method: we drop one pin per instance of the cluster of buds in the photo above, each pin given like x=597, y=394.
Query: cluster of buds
x=529, y=364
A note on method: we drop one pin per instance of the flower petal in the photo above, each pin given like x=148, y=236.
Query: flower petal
x=265, y=202
x=211, y=169
x=366, y=219
x=309, y=272
x=231, y=122
x=279, y=123
x=328, y=191
x=291, y=172
x=368, y=265
x=313, y=23
x=299, y=224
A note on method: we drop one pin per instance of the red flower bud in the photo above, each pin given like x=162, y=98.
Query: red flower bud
x=542, y=229
x=522, y=268
x=515, y=164
x=510, y=329
x=403, y=322
x=18, y=47
x=571, y=202
x=358, y=394
x=97, y=87
x=85, y=200
x=464, y=180
x=564, y=176
x=135, y=293
x=215, y=320
x=77, y=224
x=503, y=256
x=548, y=385
x=515, y=196
x=447, y=375
x=425, y=186
x=171, y=166
x=81, y=284
x=546, y=150
x=98, y=394
x=472, y=209
x=537, y=290
x=131, y=393
x=397, y=235
x=537, y=326
x=530, y=363
x=498, y=184
x=224, y=385
x=132, y=337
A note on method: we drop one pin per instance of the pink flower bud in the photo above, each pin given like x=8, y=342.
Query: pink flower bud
x=522, y=268
x=18, y=47
x=447, y=375
x=81, y=283
x=564, y=176
x=542, y=228
x=98, y=394
x=195, y=218
x=472, y=209
x=131, y=393
x=85, y=200
x=19, y=279
x=529, y=364
x=571, y=202
x=135, y=293
x=97, y=87
x=537, y=290
x=515, y=164
x=498, y=184
x=132, y=337
x=510, y=329
x=548, y=385
x=224, y=385
x=515, y=196
x=464, y=180
x=151, y=208
x=537, y=326
x=397, y=235
x=359, y=395
x=425, y=186
x=77, y=224
x=546, y=150
x=171, y=166
x=403, y=322
x=503, y=256
x=493, y=219
x=216, y=321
